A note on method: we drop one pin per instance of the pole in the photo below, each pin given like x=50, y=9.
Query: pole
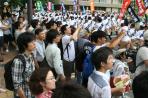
x=29, y=10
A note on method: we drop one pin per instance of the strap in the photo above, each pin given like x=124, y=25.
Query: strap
x=66, y=48
x=36, y=63
x=22, y=58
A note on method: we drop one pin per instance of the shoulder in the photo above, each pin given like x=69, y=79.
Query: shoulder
x=143, y=49
x=98, y=80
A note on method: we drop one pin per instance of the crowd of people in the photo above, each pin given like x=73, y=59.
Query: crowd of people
x=76, y=55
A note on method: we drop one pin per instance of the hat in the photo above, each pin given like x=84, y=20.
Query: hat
x=6, y=3
x=146, y=35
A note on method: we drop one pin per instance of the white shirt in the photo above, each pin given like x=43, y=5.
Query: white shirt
x=71, y=49
x=1, y=31
x=53, y=57
x=40, y=50
x=100, y=90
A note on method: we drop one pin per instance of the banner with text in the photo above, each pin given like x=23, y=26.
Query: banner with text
x=124, y=7
x=133, y=14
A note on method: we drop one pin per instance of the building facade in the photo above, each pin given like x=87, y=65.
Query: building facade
x=106, y=5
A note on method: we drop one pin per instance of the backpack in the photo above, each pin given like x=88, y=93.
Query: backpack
x=79, y=54
x=87, y=64
x=8, y=72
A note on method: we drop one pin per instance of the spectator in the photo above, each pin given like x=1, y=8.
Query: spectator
x=42, y=82
x=53, y=53
x=142, y=57
x=40, y=45
x=71, y=91
x=20, y=76
x=140, y=85
x=51, y=25
x=98, y=84
x=68, y=49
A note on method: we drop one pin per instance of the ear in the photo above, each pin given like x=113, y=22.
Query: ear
x=42, y=84
x=102, y=63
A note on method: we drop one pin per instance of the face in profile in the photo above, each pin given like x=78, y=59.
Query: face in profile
x=109, y=63
x=50, y=81
x=31, y=46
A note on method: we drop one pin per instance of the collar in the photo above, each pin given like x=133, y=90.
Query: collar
x=39, y=41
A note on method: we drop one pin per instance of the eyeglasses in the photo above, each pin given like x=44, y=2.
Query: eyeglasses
x=51, y=78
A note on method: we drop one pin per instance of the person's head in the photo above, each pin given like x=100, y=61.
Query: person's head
x=140, y=85
x=132, y=25
x=98, y=37
x=51, y=25
x=73, y=29
x=21, y=19
x=42, y=80
x=5, y=16
x=25, y=42
x=40, y=34
x=65, y=29
x=35, y=23
x=53, y=36
x=19, y=25
x=71, y=91
x=102, y=58
x=59, y=24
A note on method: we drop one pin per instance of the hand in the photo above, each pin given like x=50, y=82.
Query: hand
x=62, y=78
x=122, y=33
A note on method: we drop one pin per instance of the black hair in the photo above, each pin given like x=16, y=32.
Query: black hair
x=63, y=28
x=23, y=40
x=100, y=56
x=59, y=23
x=140, y=85
x=70, y=90
x=73, y=29
x=97, y=34
x=35, y=79
x=34, y=23
x=51, y=35
x=50, y=23
x=38, y=31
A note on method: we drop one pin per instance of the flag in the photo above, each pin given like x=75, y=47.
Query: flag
x=39, y=6
x=133, y=14
x=52, y=7
x=75, y=6
x=83, y=11
x=146, y=3
x=92, y=7
x=63, y=7
x=125, y=5
x=49, y=4
x=141, y=7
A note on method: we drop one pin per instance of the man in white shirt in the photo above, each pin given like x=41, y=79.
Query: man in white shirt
x=68, y=49
x=98, y=84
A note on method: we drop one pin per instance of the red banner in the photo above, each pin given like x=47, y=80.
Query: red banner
x=124, y=7
x=141, y=7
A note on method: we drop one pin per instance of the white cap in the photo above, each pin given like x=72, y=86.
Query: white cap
x=6, y=3
x=146, y=35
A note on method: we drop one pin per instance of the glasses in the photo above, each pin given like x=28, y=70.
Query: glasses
x=51, y=78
